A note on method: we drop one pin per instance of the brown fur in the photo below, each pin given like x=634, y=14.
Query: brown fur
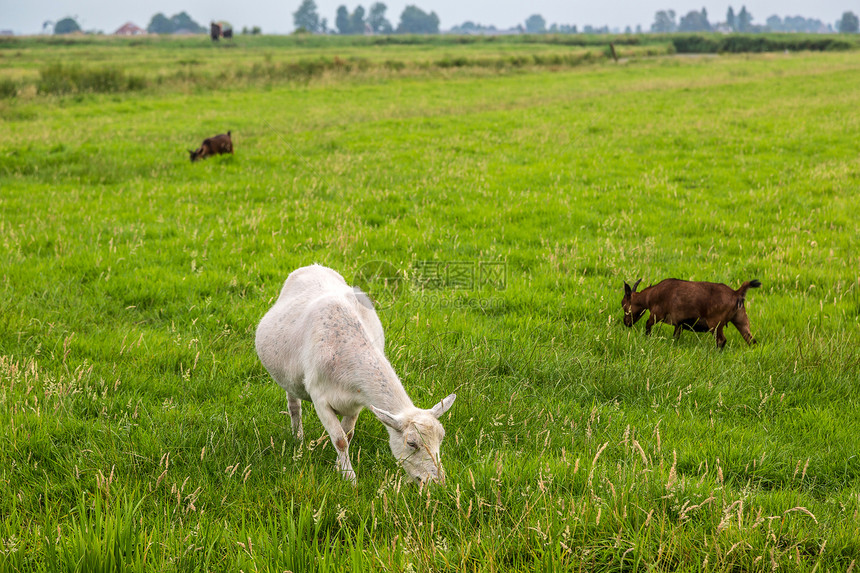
x=697, y=306
x=216, y=145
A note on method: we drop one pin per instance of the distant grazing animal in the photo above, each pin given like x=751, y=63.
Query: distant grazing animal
x=322, y=342
x=697, y=306
x=217, y=30
x=217, y=145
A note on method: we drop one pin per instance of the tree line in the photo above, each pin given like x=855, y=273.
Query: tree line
x=697, y=21
x=413, y=20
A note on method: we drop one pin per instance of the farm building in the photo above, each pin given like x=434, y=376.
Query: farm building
x=129, y=29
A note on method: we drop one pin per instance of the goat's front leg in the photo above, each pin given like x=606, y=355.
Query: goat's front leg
x=338, y=438
x=648, y=325
x=348, y=425
x=295, y=407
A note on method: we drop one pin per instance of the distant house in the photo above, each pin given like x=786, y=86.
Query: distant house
x=129, y=29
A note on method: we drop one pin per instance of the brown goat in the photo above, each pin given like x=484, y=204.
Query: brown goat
x=213, y=146
x=696, y=306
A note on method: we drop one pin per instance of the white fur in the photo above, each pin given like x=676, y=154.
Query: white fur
x=322, y=342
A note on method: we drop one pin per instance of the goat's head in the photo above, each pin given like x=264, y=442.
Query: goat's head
x=633, y=308
x=415, y=437
x=194, y=153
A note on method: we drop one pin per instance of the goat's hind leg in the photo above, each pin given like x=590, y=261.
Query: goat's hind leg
x=720, y=335
x=742, y=323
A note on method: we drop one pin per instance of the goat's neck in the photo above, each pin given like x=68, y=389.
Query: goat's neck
x=388, y=393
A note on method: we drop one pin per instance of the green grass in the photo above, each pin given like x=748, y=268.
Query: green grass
x=140, y=432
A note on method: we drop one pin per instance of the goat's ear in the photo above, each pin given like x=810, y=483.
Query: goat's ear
x=636, y=284
x=443, y=405
x=387, y=418
x=627, y=290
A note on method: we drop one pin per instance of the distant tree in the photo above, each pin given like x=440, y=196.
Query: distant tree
x=414, y=20
x=744, y=21
x=561, y=29
x=469, y=27
x=342, y=21
x=66, y=26
x=695, y=22
x=376, y=19
x=160, y=24
x=535, y=24
x=307, y=18
x=730, y=19
x=589, y=29
x=801, y=24
x=664, y=22
x=774, y=24
x=183, y=21
x=849, y=24
x=356, y=20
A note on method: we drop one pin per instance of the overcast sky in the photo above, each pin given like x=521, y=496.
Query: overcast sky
x=276, y=16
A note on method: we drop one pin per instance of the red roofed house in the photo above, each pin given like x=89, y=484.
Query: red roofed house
x=129, y=29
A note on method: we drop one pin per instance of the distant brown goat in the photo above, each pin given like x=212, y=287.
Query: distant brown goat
x=697, y=306
x=213, y=146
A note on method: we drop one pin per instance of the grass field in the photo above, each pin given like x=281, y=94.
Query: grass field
x=140, y=432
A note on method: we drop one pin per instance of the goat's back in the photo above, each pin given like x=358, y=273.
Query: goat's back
x=222, y=143
x=692, y=298
x=316, y=312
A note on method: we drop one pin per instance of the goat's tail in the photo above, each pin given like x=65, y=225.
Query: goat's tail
x=742, y=292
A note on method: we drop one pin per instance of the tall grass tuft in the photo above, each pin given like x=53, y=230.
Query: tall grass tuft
x=61, y=79
x=8, y=88
x=757, y=43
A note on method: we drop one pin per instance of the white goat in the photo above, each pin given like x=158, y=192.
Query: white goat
x=322, y=342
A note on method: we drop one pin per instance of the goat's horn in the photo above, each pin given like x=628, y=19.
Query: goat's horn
x=636, y=284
